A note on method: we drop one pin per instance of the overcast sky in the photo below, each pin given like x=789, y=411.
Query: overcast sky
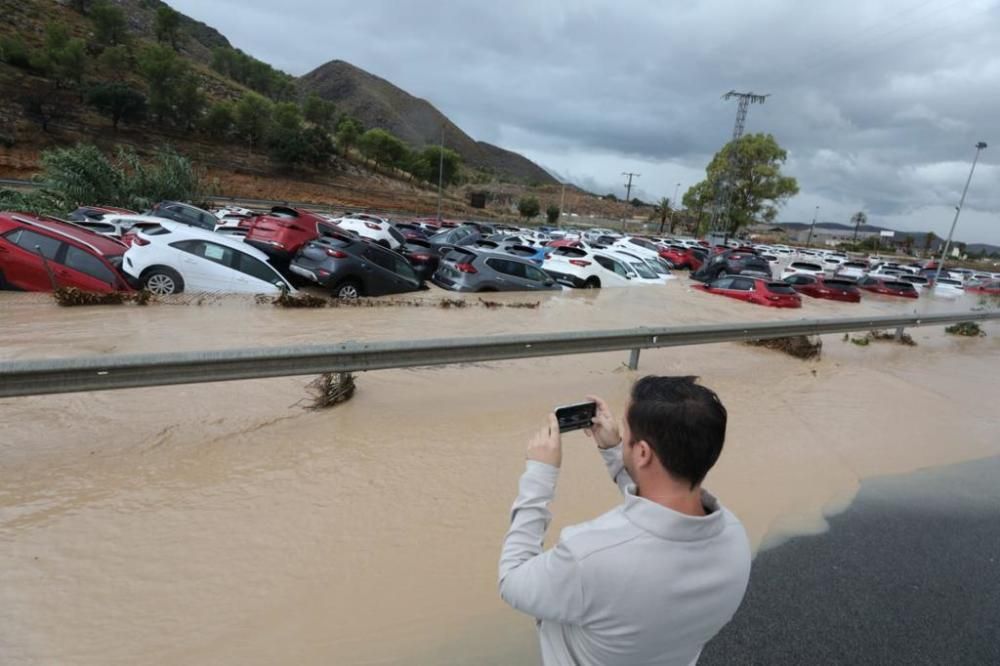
x=879, y=104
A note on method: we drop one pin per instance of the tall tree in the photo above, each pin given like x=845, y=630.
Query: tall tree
x=348, y=132
x=859, y=219
x=748, y=171
x=929, y=242
x=318, y=111
x=115, y=62
x=167, y=25
x=110, y=24
x=66, y=57
x=118, y=102
x=252, y=116
x=165, y=73
x=664, y=208
x=383, y=147
x=529, y=207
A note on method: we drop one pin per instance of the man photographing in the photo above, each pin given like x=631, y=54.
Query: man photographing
x=652, y=580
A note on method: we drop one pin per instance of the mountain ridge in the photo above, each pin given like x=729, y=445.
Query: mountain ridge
x=377, y=102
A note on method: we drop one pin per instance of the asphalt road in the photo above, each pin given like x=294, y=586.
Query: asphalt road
x=909, y=574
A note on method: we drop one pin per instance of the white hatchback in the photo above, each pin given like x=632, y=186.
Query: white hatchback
x=376, y=228
x=576, y=267
x=171, y=258
x=802, y=268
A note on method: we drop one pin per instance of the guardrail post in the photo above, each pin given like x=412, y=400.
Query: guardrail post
x=633, y=360
x=899, y=334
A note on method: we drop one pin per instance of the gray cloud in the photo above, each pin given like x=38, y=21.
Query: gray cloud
x=878, y=106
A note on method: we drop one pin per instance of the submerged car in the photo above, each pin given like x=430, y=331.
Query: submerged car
x=350, y=266
x=185, y=214
x=39, y=253
x=171, y=258
x=467, y=269
x=820, y=287
x=280, y=232
x=732, y=262
x=887, y=287
x=587, y=269
x=760, y=291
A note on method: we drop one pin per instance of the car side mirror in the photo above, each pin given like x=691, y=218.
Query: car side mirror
x=550, y=282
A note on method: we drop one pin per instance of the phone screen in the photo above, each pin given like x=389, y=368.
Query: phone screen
x=577, y=416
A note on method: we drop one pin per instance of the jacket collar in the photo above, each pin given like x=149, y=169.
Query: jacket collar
x=673, y=525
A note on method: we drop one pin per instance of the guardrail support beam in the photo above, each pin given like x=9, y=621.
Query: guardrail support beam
x=633, y=360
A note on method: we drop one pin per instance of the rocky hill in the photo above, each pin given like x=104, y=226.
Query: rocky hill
x=378, y=103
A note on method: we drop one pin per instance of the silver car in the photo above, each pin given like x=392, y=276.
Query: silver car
x=468, y=269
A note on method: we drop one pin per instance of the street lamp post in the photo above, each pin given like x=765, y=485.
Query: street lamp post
x=958, y=211
x=812, y=228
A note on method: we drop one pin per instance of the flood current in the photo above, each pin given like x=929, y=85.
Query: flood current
x=226, y=523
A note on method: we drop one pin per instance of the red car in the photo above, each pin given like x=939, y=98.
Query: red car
x=44, y=253
x=819, y=287
x=754, y=290
x=676, y=255
x=888, y=287
x=564, y=242
x=992, y=288
x=283, y=231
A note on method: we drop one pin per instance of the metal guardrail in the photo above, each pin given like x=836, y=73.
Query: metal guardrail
x=38, y=377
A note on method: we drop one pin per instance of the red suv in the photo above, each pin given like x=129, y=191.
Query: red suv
x=43, y=253
x=754, y=290
x=282, y=232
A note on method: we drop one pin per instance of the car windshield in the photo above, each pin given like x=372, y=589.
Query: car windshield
x=779, y=288
x=643, y=270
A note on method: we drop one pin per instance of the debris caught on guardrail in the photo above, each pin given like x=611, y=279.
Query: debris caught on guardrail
x=799, y=346
x=881, y=336
x=72, y=297
x=287, y=300
x=969, y=329
x=331, y=388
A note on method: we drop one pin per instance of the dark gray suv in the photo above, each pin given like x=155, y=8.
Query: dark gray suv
x=465, y=269
x=351, y=266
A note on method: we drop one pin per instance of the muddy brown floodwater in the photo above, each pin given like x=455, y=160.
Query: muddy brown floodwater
x=226, y=524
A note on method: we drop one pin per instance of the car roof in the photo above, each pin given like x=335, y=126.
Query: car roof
x=134, y=218
x=187, y=232
x=95, y=241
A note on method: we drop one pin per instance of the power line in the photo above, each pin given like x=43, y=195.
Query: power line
x=628, y=185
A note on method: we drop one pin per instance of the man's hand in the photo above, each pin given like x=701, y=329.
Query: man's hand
x=546, y=445
x=605, y=428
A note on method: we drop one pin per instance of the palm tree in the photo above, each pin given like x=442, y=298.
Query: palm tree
x=858, y=219
x=663, y=210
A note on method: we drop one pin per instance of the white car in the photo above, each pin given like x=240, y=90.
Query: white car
x=832, y=262
x=918, y=281
x=851, y=269
x=802, y=268
x=948, y=288
x=591, y=269
x=376, y=228
x=645, y=274
x=171, y=258
x=887, y=273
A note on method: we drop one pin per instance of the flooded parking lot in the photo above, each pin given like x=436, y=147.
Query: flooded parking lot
x=227, y=524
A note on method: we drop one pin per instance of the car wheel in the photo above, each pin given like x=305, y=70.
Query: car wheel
x=486, y=289
x=162, y=281
x=347, y=289
x=592, y=283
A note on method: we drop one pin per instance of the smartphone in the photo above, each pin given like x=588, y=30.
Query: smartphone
x=577, y=416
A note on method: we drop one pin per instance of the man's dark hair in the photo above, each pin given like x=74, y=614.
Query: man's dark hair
x=683, y=422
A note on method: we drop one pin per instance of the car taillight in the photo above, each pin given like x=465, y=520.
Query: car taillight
x=371, y=225
x=579, y=262
x=466, y=268
x=336, y=254
x=420, y=257
x=136, y=240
